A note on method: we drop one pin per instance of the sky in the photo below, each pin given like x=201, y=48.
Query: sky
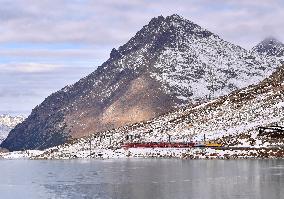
x=48, y=44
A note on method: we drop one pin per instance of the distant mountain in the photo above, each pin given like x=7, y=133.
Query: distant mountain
x=168, y=63
x=7, y=123
x=271, y=47
x=231, y=120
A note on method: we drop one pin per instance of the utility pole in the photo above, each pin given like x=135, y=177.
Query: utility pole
x=90, y=142
x=169, y=138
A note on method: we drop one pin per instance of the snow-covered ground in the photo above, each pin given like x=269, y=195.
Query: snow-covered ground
x=20, y=154
x=182, y=153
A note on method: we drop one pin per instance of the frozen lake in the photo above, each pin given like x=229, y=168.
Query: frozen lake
x=142, y=178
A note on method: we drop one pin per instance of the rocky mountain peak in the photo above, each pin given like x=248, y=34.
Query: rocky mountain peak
x=178, y=21
x=173, y=23
x=156, y=21
x=160, y=33
x=175, y=17
x=270, y=41
x=160, y=20
x=270, y=46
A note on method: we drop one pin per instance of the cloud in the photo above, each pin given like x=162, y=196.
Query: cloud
x=58, y=21
x=21, y=91
x=113, y=22
x=85, y=53
x=28, y=67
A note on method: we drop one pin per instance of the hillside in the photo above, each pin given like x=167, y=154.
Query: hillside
x=232, y=120
x=169, y=63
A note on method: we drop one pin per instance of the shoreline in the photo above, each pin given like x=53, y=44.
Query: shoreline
x=157, y=153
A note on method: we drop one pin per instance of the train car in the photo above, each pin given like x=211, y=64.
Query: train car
x=210, y=144
x=170, y=145
x=159, y=145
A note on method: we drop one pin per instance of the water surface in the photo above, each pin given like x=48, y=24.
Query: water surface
x=142, y=178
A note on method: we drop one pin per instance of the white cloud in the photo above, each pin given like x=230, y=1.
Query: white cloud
x=85, y=53
x=22, y=91
x=29, y=67
x=113, y=22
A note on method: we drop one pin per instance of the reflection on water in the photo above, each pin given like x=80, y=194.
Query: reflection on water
x=142, y=178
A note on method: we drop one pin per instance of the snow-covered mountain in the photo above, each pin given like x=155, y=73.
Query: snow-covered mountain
x=232, y=120
x=270, y=47
x=7, y=123
x=169, y=63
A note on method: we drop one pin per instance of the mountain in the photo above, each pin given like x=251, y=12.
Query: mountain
x=168, y=63
x=7, y=123
x=231, y=120
x=270, y=47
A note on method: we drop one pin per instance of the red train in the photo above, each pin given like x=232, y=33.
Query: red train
x=159, y=145
x=170, y=145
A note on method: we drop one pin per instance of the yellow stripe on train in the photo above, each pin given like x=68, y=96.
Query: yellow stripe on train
x=208, y=144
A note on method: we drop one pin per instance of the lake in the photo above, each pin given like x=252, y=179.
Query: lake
x=142, y=178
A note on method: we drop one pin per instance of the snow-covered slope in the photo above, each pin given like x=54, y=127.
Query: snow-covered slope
x=232, y=120
x=7, y=123
x=169, y=63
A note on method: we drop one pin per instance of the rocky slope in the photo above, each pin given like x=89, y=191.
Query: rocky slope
x=169, y=63
x=7, y=123
x=232, y=120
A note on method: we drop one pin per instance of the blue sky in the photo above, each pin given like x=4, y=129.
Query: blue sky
x=47, y=44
